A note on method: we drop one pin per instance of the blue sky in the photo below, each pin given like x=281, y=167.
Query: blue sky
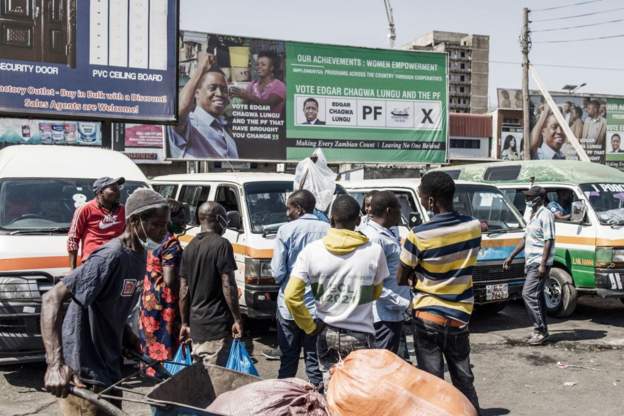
x=363, y=23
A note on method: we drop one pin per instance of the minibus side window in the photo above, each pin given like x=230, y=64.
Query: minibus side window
x=194, y=196
x=227, y=196
x=166, y=190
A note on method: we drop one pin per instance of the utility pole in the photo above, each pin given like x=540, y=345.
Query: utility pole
x=525, y=42
x=391, y=27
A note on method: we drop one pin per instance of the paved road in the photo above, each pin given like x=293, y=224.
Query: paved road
x=581, y=372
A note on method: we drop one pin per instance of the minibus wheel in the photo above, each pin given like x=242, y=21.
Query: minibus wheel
x=560, y=293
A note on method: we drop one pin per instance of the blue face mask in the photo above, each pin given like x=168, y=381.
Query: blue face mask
x=149, y=244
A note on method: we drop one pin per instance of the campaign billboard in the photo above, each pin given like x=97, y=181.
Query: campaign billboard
x=615, y=132
x=29, y=131
x=260, y=99
x=586, y=115
x=91, y=59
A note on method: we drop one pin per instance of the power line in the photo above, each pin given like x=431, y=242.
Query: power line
x=550, y=19
x=581, y=39
x=580, y=3
x=579, y=26
x=593, y=68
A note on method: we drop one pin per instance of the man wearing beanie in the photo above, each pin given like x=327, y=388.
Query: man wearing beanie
x=87, y=351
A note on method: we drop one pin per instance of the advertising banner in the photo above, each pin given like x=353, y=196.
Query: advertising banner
x=27, y=131
x=615, y=132
x=93, y=59
x=259, y=99
x=143, y=143
x=585, y=114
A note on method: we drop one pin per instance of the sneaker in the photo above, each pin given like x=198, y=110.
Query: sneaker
x=538, y=339
x=272, y=353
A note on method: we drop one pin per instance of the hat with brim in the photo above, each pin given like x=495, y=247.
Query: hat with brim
x=142, y=200
x=102, y=183
x=535, y=191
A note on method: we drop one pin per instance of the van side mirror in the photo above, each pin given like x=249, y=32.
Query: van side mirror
x=414, y=219
x=578, y=212
x=234, y=221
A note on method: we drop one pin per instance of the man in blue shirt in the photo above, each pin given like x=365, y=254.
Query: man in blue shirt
x=389, y=310
x=291, y=238
x=562, y=207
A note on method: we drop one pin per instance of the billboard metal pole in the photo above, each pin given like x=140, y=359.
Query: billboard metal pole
x=525, y=42
x=562, y=123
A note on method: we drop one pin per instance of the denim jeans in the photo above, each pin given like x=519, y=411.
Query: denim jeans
x=334, y=344
x=388, y=335
x=533, y=296
x=291, y=339
x=434, y=343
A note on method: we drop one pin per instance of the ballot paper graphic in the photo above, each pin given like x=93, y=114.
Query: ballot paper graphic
x=128, y=33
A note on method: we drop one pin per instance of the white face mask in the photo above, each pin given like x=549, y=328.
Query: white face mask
x=149, y=244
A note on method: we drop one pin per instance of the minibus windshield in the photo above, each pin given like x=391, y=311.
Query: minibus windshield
x=266, y=203
x=46, y=204
x=607, y=200
x=489, y=206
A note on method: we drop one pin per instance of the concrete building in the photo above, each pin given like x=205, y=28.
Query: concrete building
x=468, y=67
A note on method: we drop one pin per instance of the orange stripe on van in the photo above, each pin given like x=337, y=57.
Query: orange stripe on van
x=500, y=243
x=610, y=243
x=30, y=263
x=257, y=253
x=585, y=241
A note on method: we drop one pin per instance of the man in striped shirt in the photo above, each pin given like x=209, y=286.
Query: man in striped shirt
x=437, y=259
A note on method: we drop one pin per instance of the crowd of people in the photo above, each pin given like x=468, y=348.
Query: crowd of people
x=345, y=284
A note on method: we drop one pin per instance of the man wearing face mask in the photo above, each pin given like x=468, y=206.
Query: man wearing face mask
x=103, y=290
x=437, y=258
x=209, y=307
x=539, y=252
x=303, y=228
x=98, y=221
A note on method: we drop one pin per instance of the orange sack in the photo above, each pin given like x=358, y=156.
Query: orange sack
x=378, y=382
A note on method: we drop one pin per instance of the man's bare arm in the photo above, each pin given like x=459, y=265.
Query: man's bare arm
x=230, y=292
x=404, y=275
x=73, y=259
x=58, y=375
x=183, y=304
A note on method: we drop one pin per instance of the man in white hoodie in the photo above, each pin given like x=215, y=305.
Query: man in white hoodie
x=346, y=272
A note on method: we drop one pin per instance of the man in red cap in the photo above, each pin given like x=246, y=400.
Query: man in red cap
x=98, y=221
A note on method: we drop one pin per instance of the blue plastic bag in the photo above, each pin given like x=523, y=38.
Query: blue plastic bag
x=240, y=360
x=182, y=356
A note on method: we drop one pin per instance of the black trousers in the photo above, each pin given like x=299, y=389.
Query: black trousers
x=434, y=344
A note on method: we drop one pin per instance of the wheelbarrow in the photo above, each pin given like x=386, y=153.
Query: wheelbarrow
x=186, y=393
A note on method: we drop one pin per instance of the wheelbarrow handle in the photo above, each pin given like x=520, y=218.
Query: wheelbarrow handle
x=92, y=397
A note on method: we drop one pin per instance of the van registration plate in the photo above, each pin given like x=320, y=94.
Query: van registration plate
x=497, y=292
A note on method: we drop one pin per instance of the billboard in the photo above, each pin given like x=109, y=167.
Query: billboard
x=28, y=131
x=259, y=99
x=585, y=114
x=615, y=132
x=143, y=143
x=91, y=59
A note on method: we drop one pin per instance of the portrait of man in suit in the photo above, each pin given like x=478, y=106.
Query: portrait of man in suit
x=310, y=109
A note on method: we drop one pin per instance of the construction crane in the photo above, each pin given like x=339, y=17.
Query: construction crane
x=391, y=28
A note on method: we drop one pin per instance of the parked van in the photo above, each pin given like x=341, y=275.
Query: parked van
x=501, y=222
x=40, y=187
x=256, y=206
x=589, y=246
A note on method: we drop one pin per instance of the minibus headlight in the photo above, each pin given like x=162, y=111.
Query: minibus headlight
x=618, y=255
x=258, y=272
x=18, y=288
x=604, y=256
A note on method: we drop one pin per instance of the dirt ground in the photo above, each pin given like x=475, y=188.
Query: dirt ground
x=580, y=372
